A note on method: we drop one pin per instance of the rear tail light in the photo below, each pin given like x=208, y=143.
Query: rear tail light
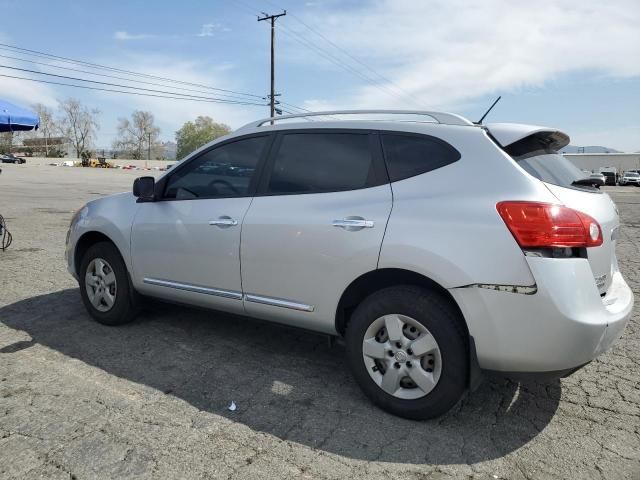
x=540, y=225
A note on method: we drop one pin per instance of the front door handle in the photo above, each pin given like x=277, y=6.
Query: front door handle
x=352, y=224
x=224, y=222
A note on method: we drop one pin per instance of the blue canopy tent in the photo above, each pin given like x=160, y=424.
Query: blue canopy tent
x=15, y=119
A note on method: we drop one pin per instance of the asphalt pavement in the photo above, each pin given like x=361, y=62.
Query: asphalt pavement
x=150, y=399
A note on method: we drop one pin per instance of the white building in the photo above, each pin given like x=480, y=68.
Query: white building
x=594, y=161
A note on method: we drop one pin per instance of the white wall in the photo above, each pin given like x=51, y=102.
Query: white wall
x=593, y=161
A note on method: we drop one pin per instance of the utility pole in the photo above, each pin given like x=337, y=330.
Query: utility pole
x=272, y=96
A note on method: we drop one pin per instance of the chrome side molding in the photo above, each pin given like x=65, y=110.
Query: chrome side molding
x=194, y=288
x=276, y=302
x=279, y=302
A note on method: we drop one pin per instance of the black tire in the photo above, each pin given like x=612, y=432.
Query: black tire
x=126, y=304
x=443, y=321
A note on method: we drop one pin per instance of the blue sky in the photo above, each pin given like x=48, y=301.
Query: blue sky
x=570, y=64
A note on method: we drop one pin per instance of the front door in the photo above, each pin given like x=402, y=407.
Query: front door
x=186, y=245
x=316, y=224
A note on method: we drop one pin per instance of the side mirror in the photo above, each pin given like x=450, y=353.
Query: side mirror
x=143, y=188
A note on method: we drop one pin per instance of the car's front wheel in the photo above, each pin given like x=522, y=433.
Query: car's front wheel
x=106, y=291
x=407, y=348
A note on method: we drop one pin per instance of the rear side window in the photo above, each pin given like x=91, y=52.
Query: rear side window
x=411, y=155
x=321, y=162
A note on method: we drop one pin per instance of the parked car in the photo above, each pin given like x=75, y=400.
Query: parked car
x=609, y=178
x=11, y=158
x=598, y=179
x=379, y=232
x=630, y=178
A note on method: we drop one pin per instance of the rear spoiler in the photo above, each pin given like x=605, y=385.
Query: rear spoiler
x=508, y=134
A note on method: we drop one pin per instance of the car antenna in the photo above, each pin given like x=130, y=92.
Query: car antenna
x=479, y=122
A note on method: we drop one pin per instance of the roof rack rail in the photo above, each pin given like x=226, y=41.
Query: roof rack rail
x=439, y=117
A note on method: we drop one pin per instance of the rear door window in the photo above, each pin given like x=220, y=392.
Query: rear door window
x=410, y=155
x=321, y=162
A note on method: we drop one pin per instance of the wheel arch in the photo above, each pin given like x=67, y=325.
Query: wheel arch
x=85, y=242
x=375, y=280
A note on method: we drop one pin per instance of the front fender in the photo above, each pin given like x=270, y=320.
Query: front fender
x=110, y=216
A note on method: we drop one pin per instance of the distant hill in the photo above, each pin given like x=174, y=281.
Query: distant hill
x=589, y=149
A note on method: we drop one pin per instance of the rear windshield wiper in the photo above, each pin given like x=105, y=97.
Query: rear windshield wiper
x=585, y=182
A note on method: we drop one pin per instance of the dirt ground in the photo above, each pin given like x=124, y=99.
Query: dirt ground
x=149, y=400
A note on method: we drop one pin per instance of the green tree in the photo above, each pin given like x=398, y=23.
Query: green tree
x=193, y=135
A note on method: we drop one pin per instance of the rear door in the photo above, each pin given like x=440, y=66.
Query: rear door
x=537, y=153
x=315, y=225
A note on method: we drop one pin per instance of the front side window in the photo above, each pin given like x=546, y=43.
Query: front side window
x=321, y=162
x=225, y=171
x=410, y=155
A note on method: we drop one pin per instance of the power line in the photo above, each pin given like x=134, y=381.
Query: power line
x=336, y=61
x=200, y=97
x=290, y=105
x=346, y=53
x=328, y=56
x=115, y=76
x=4, y=46
x=172, y=95
x=86, y=87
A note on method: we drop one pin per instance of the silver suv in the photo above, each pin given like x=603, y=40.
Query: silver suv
x=435, y=246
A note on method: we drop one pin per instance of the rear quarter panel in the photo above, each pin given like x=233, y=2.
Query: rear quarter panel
x=444, y=223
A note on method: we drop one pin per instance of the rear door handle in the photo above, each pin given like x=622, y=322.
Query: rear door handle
x=353, y=223
x=224, y=222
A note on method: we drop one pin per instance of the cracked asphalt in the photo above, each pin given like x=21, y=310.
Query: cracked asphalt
x=149, y=400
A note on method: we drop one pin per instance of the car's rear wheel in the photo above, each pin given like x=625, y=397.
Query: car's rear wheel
x=407, y=348
x=106, y=291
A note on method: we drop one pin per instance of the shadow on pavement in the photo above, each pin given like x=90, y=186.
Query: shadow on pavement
x=285, y=382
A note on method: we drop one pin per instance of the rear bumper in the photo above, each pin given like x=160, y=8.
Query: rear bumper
x=564, y=325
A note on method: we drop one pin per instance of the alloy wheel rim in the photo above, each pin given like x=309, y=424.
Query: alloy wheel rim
x=100, y=285
x=401, y=356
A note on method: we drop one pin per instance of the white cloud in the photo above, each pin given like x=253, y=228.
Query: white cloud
x=210, y=29
x=125, y=36
x=445, y=53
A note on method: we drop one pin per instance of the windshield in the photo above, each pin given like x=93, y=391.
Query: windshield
x=632, y=174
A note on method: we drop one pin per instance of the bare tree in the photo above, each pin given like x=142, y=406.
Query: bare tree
x=137, y=135
x=79, y=123
x=47, y=130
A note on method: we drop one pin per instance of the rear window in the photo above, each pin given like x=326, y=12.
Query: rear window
x=537, y=155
